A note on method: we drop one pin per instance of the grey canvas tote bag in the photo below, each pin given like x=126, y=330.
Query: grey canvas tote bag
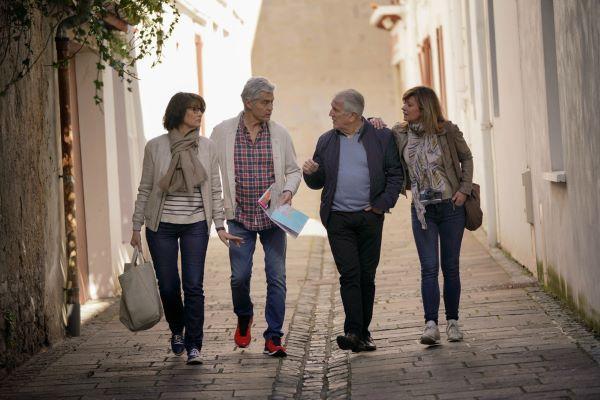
x=141, y=308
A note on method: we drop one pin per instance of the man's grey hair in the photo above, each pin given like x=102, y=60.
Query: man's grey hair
x=255, y=86
x=353, y=101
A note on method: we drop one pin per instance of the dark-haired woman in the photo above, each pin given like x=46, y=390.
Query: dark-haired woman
x=178, y=198
x=440, y=182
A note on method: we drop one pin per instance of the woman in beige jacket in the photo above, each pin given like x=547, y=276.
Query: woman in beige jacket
x=178, y=198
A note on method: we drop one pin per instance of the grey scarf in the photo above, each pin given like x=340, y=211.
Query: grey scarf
x=185, y=171
x=425, y=166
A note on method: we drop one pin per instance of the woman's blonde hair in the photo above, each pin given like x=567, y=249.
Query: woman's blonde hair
x=429, y=104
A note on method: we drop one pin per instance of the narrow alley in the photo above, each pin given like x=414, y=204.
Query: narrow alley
x=519, y=342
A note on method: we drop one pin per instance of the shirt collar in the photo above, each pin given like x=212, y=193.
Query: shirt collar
x=360, y=132
x=264, y=127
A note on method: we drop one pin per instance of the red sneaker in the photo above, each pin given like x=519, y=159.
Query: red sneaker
x=242, y=335
x=274, y=348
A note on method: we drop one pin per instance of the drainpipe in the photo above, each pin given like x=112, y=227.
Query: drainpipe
x=486, y=126
x=66, y=135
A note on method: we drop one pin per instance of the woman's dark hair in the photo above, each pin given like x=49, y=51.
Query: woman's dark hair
x=177, y=107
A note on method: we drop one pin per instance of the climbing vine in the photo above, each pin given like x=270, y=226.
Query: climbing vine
x=86, y=22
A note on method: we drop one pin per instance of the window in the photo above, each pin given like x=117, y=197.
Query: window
x=198, y=41
x=551, y=80
x=441, y=69
x=494, y=67
x=425, y=63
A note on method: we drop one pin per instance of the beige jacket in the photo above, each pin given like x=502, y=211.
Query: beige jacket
x=150, y=199
x=287, y=173
x=459, y=169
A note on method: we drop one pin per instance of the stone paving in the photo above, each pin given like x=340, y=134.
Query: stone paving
x=519, y=343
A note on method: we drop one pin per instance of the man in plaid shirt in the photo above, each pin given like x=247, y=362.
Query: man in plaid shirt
x=255, y=154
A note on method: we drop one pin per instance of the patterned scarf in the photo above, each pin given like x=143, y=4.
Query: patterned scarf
x=425, y=166
x=185, y=171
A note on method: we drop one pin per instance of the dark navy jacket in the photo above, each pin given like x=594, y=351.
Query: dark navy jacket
x=385, y=170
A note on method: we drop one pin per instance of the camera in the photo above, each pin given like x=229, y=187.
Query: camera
x=430, y=196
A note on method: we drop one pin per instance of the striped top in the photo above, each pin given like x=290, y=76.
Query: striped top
x=183, y=208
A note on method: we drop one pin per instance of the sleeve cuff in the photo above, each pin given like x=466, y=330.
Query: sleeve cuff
x=219, y=224
x=465, y=188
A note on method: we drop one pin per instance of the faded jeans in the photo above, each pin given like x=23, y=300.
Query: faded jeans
x=274, y=245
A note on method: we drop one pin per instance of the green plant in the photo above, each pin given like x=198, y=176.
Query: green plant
x=85, y=22
x=9, y=328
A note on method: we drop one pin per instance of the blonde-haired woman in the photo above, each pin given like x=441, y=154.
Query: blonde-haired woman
x=439, y=189
x=440, y=182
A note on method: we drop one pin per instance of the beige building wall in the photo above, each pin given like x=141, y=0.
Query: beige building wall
x=312, y=49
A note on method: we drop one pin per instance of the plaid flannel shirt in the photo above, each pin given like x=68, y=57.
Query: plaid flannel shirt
x=254, y=173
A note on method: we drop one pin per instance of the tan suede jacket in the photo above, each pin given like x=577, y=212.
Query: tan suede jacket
x=150, y=199
x=287, y=173
x=459, y=172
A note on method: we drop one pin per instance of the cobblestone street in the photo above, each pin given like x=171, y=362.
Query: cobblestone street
x=519, y=343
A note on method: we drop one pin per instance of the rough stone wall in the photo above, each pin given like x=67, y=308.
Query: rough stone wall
x=31, y=277
x=312, y=49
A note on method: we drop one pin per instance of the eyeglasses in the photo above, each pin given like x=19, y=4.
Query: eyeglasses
x=197, y=110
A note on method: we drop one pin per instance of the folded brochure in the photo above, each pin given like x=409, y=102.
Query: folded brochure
x=285, y=216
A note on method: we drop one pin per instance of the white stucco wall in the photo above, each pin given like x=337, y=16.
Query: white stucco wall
x=113, y=136
x=512, y=134
x=227, y=33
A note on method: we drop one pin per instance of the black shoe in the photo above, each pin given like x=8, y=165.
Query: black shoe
x=369, y=344
x=177, y=345
x=350, y=341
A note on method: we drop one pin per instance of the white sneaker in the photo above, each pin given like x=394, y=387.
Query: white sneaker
x=453, y=331
x=431, y=334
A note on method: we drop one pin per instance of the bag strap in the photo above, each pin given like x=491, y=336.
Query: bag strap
x=137, y=254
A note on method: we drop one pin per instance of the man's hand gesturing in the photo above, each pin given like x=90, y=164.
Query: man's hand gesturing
x=310, y=167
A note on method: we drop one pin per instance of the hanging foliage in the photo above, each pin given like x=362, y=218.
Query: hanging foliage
x=87, y=22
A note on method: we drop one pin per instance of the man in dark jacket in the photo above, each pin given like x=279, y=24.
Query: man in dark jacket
x=359, y=170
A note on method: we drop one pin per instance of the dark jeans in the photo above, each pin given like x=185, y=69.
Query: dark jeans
x=446, y=225
x=355, y=241
x=164, y=245
x=274, y=245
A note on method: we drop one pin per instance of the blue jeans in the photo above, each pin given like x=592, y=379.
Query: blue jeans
x=446, y=224
x=164, y=245
x=274, y=246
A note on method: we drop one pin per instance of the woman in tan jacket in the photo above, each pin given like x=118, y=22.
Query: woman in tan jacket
x=440, y=184
x=178, y=198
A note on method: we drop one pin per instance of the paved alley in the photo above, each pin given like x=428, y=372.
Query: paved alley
x=519, y=342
